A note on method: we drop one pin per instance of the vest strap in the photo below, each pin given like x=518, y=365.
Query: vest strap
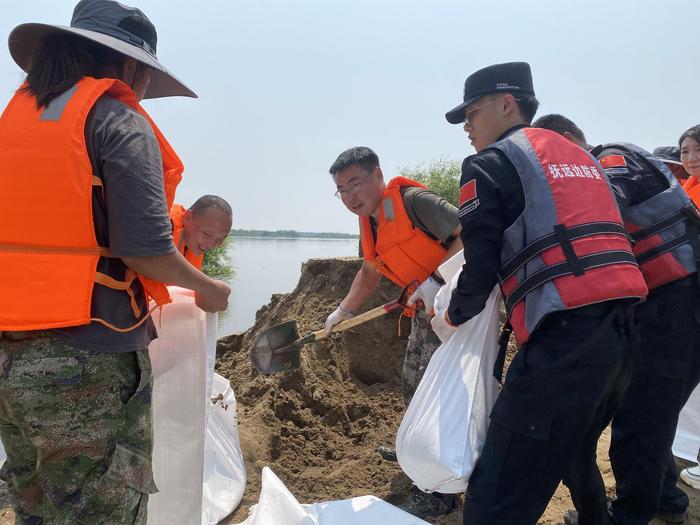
x=662, y=248
x=660, y=226
x=554, y=239
x=124, y=286
x=562, y=269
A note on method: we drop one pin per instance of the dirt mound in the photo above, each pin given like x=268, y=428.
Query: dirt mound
x=318, y=427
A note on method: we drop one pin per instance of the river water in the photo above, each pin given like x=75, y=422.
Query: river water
x=265, y=266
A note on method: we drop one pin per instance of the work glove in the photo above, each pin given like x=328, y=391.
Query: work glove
x=338, y=316
x=443, y=327
x=426, y=293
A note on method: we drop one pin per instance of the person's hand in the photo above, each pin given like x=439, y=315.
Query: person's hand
x=426, y=293
x=338, y=316
x=443, y=327
x=213, y=298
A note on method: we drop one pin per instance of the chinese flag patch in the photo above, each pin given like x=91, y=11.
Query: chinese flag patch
x=467, y=192
x=613, y=161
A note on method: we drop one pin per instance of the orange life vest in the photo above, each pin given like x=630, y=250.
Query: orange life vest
x=692, y=188
x=48, y=249
x=401, y=252
x=177, y=213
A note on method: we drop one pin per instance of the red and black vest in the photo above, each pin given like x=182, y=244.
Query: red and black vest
x=569, y=247
x=658, y=226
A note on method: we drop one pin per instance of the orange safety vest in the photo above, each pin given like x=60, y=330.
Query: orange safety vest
x=692, y=188
x=48, y=249
x=401, y=252
x=177, y=213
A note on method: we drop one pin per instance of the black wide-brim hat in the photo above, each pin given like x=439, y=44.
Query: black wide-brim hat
x=511, y=77
x=669, y=154
x=111, y=24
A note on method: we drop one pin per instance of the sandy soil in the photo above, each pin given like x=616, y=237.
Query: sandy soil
x=318, y=427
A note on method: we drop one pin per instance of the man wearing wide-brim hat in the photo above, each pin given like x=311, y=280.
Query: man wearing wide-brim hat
x=86, y=180
x=539, y=218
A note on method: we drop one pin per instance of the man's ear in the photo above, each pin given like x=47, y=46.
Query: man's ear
x=187, y=217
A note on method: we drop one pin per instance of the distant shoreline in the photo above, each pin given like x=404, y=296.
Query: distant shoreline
x=291, y=234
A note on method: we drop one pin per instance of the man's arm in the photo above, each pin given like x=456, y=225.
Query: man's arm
x=491, y=198
x=210, y=295
x=363, y=286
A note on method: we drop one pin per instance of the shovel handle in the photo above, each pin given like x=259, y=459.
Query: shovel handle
x=359, y=319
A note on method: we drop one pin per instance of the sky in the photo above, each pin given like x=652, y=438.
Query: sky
x=285, y=86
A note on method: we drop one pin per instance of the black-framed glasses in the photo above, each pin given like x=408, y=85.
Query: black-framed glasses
x=353, y=187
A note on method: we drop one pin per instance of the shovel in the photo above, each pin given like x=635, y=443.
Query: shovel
x=278, y=348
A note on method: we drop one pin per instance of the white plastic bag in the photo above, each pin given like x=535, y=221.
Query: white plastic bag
x=278, y=506
x=444, y=428
x=224, y=469
x=687, y=441
x=179, y=359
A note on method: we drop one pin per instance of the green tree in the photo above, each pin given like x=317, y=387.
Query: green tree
x=217, y=262
x=441, y=176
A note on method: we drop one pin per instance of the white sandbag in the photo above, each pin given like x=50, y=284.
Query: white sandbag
x=444, y=428
x=224, y=469
x=277, y=506
x=179, y=357
x=363, y=510
x=687, y=441
x=2, y=454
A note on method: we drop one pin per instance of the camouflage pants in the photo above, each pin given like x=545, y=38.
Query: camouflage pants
x=421, y=346
x=76, y=427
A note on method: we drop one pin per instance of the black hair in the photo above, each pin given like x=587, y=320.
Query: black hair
x=560, y=124
x=692, y=133
x=62, y=60
x=358, y=156
x=211, y=201
x=527, y=106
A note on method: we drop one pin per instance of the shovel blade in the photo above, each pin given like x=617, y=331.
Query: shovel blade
x=263, y=355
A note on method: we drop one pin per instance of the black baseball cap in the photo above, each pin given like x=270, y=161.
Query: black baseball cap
x=511, y=77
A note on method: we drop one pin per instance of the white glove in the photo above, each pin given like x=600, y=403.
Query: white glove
x=338, y=316
x=442, y=327
x=426, y=292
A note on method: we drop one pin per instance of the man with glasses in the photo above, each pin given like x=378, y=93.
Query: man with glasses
x=406, y=232
x=538, y=216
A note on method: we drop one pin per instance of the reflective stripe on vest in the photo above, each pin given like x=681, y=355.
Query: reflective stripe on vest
x=48, y=249
x=568, y=248
x=657, y=225
x=402, y=252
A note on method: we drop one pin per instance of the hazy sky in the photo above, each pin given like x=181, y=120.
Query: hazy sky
x=285, y=86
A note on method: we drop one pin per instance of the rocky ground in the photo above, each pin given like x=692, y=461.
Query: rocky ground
x=318, y=427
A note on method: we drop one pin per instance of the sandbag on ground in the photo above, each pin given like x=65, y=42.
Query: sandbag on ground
x=224, y=469
x=278, y=506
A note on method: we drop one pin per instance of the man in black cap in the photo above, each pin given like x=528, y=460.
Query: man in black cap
x=87, y=179
x=667, y=364
x=538, y=217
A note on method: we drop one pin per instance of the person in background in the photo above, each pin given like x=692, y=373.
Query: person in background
x=657, y=213
x=202, y=227
x=689, y=144
x=406, y=232
x=671, y=156
x=85, y=241
x=538, y=216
